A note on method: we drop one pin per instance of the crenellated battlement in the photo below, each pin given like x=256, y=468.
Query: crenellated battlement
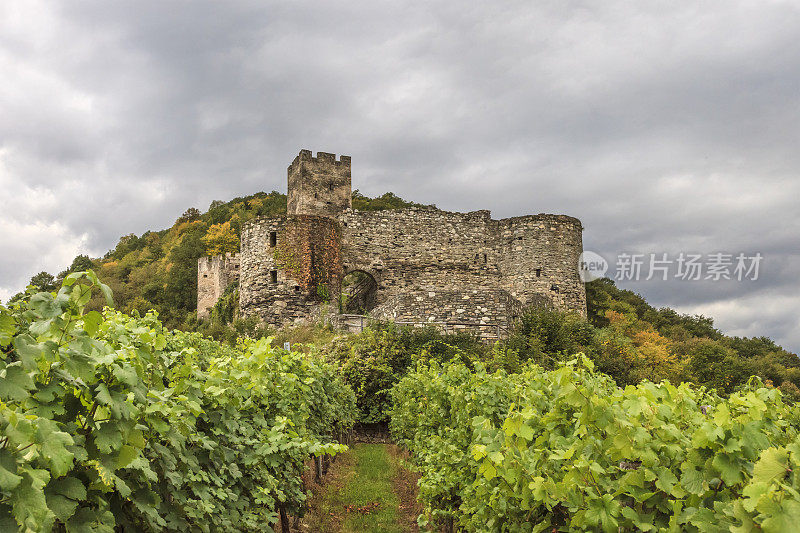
x=322, y=158
x=213, y=262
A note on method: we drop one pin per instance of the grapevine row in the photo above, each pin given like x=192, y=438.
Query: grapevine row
x=568, y=450
x=111, y=423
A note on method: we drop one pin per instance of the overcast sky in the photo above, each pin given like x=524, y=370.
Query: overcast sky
x=666, y=127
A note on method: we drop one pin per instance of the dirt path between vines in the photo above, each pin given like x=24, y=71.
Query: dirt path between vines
x=366, y=490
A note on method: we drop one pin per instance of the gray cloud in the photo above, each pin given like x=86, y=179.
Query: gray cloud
x=665, y=127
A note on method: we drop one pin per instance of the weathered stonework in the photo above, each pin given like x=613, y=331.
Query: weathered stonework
x=476, y=306
x=214, y=274
x=287, y=265
x=319, y=185
x=428, y=264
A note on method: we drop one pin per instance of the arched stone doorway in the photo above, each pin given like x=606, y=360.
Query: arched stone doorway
x=358, y=292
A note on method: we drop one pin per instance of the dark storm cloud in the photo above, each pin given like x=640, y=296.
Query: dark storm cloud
x=665, y=127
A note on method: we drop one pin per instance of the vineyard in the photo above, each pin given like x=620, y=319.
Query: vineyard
x=568, y=450
x=112, y=423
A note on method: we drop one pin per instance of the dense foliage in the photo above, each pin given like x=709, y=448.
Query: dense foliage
x=567, y=449
x=631, y=341
x=374, y=360
x=110, y=421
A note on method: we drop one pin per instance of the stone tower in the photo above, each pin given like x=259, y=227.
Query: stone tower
x=319, y=185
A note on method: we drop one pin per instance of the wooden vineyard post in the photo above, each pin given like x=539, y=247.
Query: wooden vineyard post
x=318, y=468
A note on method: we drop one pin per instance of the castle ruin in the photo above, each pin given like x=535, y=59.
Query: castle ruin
x=418, y=264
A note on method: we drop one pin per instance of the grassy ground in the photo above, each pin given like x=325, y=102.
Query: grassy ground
x=367, y=490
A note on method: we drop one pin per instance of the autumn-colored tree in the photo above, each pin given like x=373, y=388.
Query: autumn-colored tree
x=654, y=357
x=221, y=239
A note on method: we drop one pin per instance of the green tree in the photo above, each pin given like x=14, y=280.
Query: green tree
x=190, y=215
x=44, y=281
x=180, y=294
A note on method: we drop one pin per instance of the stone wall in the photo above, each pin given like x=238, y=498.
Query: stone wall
x=420, y=248
x=288, y=265
x=534, y=258
x=214, y=274
x=476, y=306
x=539, y=257
x=412, y=253
x=319, y=185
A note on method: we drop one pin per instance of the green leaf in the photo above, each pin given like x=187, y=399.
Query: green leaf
x=160, y=343
x=64, y=495
x=107, y=293
x=692, y=480
x=108, y=438
x=752, y=494
x=29, y=504
x=44, y=305
x=15, y=382
x=781, y=517
x=126, y=456
x=103, y=396
x=54, y=445
x=772, y=464
x=8, y=327
x=603, y=512
x=28, y=350
x=666, y=480
x=126, y=374
x=728, y=467
x=8, y=471
x=91, y=322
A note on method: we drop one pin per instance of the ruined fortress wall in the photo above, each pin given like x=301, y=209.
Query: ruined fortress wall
x=286, y=265
x=534, y=258
x=476, y=306
x=319, y=185
x=539, y=256
x=427, y=263
x=214, y=274
x=426, y=248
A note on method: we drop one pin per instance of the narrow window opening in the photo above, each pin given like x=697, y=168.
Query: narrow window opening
x=297, y=288
x=485, y=259
x=273, y=238
x=538, y=272
x=330, y=187
x=273, y=276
